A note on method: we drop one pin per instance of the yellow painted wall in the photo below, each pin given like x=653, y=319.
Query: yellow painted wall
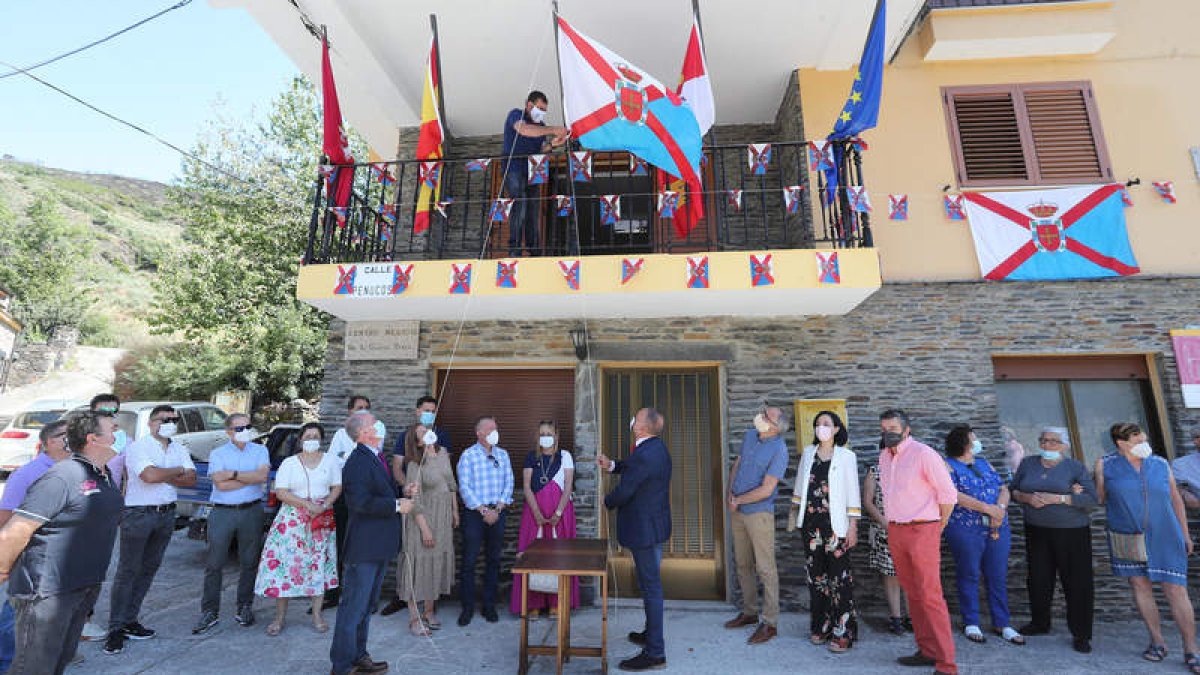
x=1147, y=86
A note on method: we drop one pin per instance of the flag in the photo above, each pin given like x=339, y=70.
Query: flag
x=859, y=200
x=460, y=278
x=820, y=155
x=570, y=272
x=697, y=271
x=791, y=198
x=539, y=169
x=345, y=281
x=443, y=205
x=401, y=277
x=340, y=213
x=387, y=212
x=1166, y=190
x=335, y=142
x=612, y=105
x=762, y=270
x=429, y=142
x=1126, y=199
x=581, y=166
x=758, y=156
x=630, y=267
x=610, y=209
x=828, y=270
x=694, y=86
x=1064, y=233
x=667, y=203
x=861, y=111
x=733, y=199
x=478, y=164
x=565, y=205
x=500, y=210
x=382, y=173
x=429, y=174
x=637, y=167
x=506, y=274
x=954, y=207
x=898, y=207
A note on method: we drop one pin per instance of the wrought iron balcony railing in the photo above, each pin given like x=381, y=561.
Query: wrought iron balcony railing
x=743, y=209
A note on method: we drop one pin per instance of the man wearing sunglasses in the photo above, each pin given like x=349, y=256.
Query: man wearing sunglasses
x=239, y=471
x=155, y=466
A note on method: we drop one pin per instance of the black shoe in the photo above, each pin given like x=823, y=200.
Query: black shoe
x=465, y=617
x=1082, y=645
x=907, y=625
x=392, y=607
x=136, y=631
x=489, y=614
x=367, y=665
x=896, y=625
x=1033, y=629
x=206, y=622
x=637, y=638
x=115, y=642
x=643, y=662
x=245, y=616
x=917, y=659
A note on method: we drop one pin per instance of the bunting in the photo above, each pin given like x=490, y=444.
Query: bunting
x=382, y=173
x=953, y=205
x=630, y=267
x=898, y=207
x=820, y=155
x=474, y=165
x=401, y=277
x=500, y=210
x=506, y=274
x=791, y=198
x=733, y=199
x=570, y=272
x=443, y=205
x=828, y=271
x=1126, y=199
x=1166, y=190
x=697, y=271
x=637, y=166
x=460, y=279
x=610, y=209
x=860, y=202
x=581, y=166
x=539, y=169
x=345, y=281
x=758, y=156
x=762, y=270
x=340, y=213
x=668, y=201
x=430, y=173
x=564, y=205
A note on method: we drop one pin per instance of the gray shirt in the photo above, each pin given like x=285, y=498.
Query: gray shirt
x=1033, y=476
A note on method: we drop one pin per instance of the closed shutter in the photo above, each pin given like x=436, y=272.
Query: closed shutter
x=1063, y=138
x=989, y=136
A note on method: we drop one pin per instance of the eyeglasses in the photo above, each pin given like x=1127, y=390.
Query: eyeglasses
x=241, y=428
x=106, y=412
x=1049, y=441
x=167, y=420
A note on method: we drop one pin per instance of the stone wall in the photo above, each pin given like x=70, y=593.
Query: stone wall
x=34, y=361
x=925, y=347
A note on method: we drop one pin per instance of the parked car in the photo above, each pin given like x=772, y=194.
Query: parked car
x=280, y=442
x=19, y=440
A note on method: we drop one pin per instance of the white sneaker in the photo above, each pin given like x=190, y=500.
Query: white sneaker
x=92, y=632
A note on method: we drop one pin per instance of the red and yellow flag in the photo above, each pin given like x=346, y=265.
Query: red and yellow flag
x=429, y=143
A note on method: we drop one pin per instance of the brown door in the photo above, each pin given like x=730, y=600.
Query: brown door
x=689, y=400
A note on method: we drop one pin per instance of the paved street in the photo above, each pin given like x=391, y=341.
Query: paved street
x=696, y=643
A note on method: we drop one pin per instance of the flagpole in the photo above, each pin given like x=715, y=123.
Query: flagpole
x=441, y=81
x=712, y=135
x=562, y=97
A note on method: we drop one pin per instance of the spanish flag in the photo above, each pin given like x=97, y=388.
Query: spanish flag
x=429, y=143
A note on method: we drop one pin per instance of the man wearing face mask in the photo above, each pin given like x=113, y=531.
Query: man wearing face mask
x=918, y=498
x=342, y=445
x=753, y=484
x=1187, y=473
x=525, y=133
x=643, y=503
x=239, y=471
x=156, y=466
x=485, y=482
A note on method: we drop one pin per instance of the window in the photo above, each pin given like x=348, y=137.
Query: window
x=1026, y=134
x=214, y=418
x=192, y=422
x=1085, y=394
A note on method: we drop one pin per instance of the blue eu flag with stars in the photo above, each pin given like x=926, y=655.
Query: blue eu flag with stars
x=861, y=111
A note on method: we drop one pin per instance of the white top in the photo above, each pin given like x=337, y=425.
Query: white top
x=565, y=464
x=341, y=446
x=146, y=452
x=308, y=483
x=845, y=502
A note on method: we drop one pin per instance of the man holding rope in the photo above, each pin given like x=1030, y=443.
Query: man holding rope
x=525, y=134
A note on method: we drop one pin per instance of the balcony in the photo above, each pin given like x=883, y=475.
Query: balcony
x=363, y=260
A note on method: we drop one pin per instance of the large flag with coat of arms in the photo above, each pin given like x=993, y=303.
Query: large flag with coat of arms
x=611, y=104
x=1064, y=233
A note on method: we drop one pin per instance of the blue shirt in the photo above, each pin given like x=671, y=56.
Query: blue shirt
x=1186, y=470
x=978, y=480
x=759, y=458
x=515, y=144
x=484, y=478
x=229, y=458
x=20, y=480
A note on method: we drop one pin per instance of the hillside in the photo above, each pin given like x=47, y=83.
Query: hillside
x=128, y=223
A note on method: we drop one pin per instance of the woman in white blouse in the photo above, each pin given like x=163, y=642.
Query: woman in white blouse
x=299, y=558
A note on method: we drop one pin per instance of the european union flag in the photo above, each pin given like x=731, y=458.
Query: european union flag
x=861, y=111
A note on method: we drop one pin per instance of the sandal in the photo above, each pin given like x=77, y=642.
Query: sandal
x=275, y=627
x=432, y=622
x=1192, y=662
x=1155, y=653
x=896, y=625
x=1010, y=635
x=818, y=639
x=417, y=628
x=840, y=645
x=974, y=634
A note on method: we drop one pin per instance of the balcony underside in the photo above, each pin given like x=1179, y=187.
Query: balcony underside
x=659, y=289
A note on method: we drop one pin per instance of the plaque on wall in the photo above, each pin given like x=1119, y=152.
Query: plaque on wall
x=381, y=340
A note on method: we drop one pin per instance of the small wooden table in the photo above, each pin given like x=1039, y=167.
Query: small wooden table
x=564, y=558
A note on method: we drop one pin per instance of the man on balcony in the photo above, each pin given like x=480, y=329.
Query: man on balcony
x=525, y=133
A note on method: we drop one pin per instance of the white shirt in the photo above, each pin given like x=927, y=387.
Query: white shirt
x=309, y=483
x=340, y=447
x=146, y=452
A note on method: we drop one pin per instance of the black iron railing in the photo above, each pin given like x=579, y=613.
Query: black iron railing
x=743, y=209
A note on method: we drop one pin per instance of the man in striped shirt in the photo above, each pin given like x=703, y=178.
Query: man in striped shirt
x=485, y=481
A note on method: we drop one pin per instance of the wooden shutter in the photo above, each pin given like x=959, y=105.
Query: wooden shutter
x=988, y=134
x=1064, y=139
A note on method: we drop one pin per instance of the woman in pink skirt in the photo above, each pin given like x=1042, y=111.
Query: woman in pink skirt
x=549, y=473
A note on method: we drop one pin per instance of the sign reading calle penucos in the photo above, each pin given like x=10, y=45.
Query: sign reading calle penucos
x=376, y=280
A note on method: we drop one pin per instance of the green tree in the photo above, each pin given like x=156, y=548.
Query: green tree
x=40, y=255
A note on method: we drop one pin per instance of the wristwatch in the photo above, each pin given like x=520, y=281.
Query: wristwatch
x=234, y=476
x=558, y=514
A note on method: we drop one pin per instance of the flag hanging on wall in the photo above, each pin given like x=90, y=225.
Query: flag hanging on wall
x=570, y=272
x=345, y=280
x=828, y=269
x=539, y=169
x=610, y=209
x=860, y=201
x=898, y=207
x=460, y=278
x=581, y=166
x=758, y=156
x=791, y=198
x=1166, y=190
x=697, y=271
x=1064, y=233
x=506, y=274
x=401, y=277
x=953, y=205
x=429, y=142
x=630, y=267
x=762, y=270
x=565, y=204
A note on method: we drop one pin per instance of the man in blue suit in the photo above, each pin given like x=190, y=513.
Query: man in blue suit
x=372, y=534
x=643, y=504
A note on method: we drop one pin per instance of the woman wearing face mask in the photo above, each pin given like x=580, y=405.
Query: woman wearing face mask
x=1056, y=492
x=829, y=508
x=978, y=535
x=426, y=568
x=299, y=557
x=548, y=474
x=1148, y=535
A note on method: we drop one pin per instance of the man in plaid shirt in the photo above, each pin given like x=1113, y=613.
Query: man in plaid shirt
x=485, y=481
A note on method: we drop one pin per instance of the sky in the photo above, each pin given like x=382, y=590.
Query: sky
x=168, y=76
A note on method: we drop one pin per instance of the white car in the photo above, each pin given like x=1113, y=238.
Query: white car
x=19, y=440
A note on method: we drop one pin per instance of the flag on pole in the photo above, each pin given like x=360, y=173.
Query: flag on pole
x=694, y=86
x=611, y=104
x=429, y=142
x=861, y=111
x=335, y=143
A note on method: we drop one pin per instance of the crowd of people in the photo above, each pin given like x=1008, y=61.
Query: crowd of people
x=350, y=511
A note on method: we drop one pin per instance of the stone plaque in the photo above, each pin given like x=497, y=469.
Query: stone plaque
x=379, y=340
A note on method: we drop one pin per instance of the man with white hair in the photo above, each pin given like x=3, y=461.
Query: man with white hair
x=1187, y=472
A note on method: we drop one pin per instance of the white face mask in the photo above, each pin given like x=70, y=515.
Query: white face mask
x=1141, y=450
x=166, y=430
x=244, y=436
x=311, y=445
x=380, y=430
x=762, y=424
x=493, y=437
x=537, y=115
x=546, y=441
x=824, y=433
x=430, y=438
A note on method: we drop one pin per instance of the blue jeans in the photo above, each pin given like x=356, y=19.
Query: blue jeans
x=974, y=552
x=648, y=560
x=479, y=535
x=8, y=645
x=360, y=584
x=521, y=225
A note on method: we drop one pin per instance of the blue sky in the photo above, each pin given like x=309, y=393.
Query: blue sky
x=165, y=76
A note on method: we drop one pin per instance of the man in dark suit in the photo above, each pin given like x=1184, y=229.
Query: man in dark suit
x=372, y=538
x=643, y=504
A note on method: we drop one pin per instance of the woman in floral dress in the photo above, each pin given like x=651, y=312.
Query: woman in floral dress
x=299, y=558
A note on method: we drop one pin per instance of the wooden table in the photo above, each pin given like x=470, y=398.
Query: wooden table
x=564, y=558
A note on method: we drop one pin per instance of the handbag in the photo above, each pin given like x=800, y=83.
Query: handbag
x=540, y=582
x=322, y=522
x=1132, y=547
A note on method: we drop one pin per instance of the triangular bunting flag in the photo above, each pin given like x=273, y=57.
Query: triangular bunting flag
x=565, y=205
x=630, y=267
x=500, y=210
x=758, y=156
x=429, y=174
x=401, y=277
x=762, y=270
x=443, y=205
x=898, y=207
x=697, y=271
x=791, y=198
x=1166, y=190
x=610, y=209
x=539, y=169
x=581, y=166
x=820, y=156
x=460, y=278
x=382, y=173
x=478, y=164
x=859, y=200
x=637, y=166
x=827, y=268
x=570, y=272
x=733, y=199
x=954, y=207
x=506, y=274
x=668, y=201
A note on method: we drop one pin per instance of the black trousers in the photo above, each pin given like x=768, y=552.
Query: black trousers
x=1065, y=553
